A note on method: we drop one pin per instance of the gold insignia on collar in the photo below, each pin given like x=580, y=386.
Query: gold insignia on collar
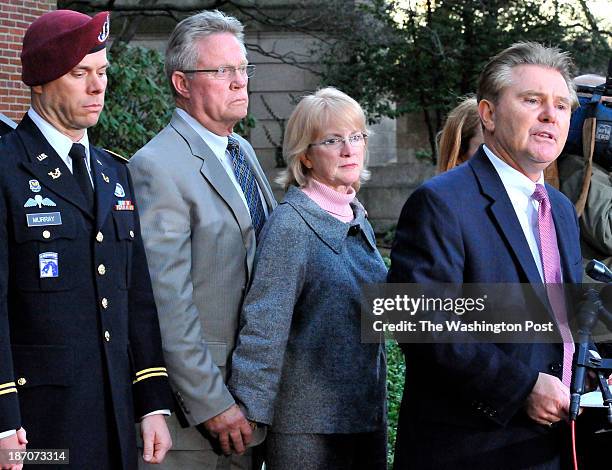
x=42, y=156
x=55, y=174
x=105, y=178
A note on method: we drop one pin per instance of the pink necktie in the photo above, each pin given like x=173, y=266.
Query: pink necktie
x=551, y=265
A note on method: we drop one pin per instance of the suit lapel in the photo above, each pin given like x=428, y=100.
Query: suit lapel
x=212, y=170
x=105, y=180
x=46, y=165
x=504, y=214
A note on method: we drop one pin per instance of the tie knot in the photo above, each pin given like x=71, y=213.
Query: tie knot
x=540, y=193
x=232, y=144
x=77, y=151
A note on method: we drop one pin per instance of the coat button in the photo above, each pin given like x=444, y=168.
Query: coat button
x=555, y=367
x=46, y=234
x=107, y=336
x=104, y=302
x=99, y=237
x=101, y=270
x=131, y=233
x=21, y=381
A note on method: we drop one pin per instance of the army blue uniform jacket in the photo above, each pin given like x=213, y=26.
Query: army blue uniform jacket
x=80, y=348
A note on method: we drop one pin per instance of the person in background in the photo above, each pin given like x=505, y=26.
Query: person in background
x=204, y=200
x=80, y=347
x=591, y=193
x=299, y=365
x=461, y=135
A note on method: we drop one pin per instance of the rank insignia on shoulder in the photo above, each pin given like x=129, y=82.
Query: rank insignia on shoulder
x=39, y=201
x=125, y=205
x=55, y=174
x=48, y=264
x=34, y=186
x=119, y=192
x=42, y=156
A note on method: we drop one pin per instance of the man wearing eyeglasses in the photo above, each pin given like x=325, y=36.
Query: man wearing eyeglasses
x=203, y=199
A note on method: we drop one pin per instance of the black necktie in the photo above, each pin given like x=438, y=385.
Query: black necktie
x=80, y=173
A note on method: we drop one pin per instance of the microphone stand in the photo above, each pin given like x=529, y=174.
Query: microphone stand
x=587, y=356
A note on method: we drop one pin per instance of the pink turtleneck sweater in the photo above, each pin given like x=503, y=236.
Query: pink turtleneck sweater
x=334, y=203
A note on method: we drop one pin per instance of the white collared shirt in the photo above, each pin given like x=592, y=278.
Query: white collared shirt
x=218, y=145
x=61, y=143
x=520, y=188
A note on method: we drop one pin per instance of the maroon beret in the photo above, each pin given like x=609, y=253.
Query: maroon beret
x=57, y=41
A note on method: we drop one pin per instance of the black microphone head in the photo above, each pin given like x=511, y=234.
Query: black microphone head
x=588, y=312
x=598, y=271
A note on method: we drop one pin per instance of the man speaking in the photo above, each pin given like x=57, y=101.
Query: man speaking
x=493, y=220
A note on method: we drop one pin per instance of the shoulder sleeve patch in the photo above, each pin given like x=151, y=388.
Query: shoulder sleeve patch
x=117, y=156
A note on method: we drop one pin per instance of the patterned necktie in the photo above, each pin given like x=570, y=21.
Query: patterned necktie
x=246, y=180
x=551, y=265
x=80, y=173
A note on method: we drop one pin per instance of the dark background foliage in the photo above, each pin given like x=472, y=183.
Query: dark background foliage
x=396, y=60
x=138, y=103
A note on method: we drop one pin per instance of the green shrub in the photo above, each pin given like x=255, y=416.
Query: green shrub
x=138, y=101
x=395, y=386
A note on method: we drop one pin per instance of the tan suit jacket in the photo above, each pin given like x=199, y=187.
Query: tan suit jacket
x=200, y=246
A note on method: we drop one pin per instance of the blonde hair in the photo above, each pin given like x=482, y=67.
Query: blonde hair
x=453, y=140
x=307, y=123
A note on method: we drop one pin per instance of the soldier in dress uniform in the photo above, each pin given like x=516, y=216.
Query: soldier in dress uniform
x=80, y=348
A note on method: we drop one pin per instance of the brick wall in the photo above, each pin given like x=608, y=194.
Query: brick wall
x=15, y=17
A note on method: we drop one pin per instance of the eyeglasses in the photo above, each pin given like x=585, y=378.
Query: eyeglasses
x=336, y=143
x=225, y=71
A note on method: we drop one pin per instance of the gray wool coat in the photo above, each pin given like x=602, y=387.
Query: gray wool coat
x=299, y=364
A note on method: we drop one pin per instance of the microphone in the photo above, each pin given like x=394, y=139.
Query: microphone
x=587, y=318
x=598, y=271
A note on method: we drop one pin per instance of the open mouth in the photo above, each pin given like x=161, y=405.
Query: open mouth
x=546, y=135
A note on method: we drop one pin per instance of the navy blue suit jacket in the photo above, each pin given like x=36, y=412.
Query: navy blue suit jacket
x=468, y=399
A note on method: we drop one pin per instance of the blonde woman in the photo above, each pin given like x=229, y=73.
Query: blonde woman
x=461, y=135
x=300, y=366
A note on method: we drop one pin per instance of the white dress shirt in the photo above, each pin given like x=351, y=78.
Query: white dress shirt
x=520, y=188
x=61, y=143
